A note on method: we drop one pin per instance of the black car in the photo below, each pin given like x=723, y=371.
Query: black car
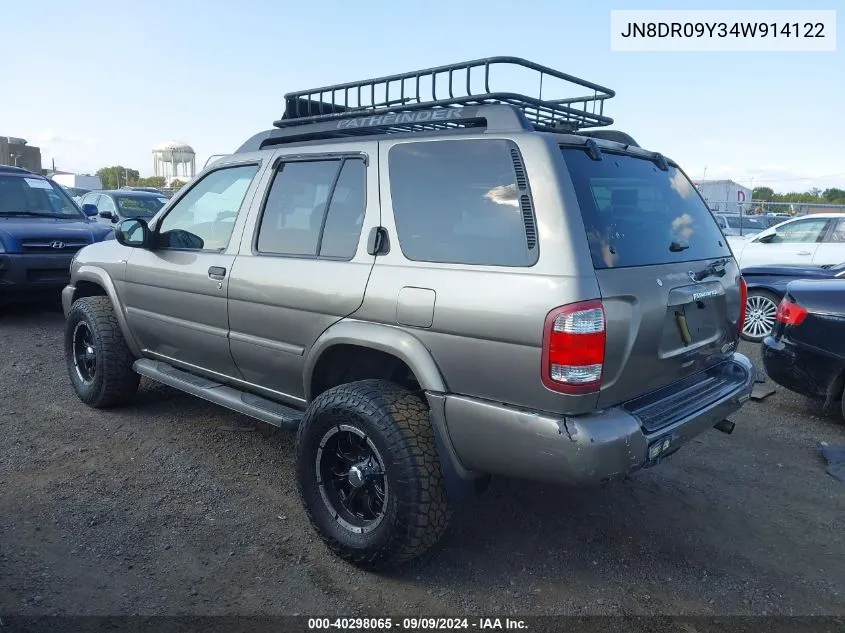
x=806, y=350
x=113, y=206
x=767, y=286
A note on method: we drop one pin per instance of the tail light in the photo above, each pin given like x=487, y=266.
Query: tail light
x=790, y=313
x=743, y=302
x=573, y=348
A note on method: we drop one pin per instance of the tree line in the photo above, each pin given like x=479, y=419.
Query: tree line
x=815, y=195
x=119, y=176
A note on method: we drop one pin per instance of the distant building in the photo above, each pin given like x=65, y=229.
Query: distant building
x=76, y=181
x=14, y=151
x=726, y=196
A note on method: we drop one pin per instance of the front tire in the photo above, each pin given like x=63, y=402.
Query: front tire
x=369, y=475
x=760, y=310
x=98, y=361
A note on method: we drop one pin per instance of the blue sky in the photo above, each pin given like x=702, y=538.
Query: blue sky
x=98, y=83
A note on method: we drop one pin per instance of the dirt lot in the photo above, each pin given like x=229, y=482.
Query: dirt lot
x=175, y=506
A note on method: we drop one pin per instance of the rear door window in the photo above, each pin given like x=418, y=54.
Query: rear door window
x=314, y=208
x=636, y=214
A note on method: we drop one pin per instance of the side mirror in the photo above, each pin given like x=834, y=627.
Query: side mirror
x=133, y=233
x=108, y=215
x=89, y=209
x=768, y=237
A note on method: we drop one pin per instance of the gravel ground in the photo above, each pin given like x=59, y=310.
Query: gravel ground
x=175, y=506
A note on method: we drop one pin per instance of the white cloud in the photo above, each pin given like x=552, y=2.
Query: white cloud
x=49, y=137
x=503, y=194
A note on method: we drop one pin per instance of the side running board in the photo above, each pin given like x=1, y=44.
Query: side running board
x=249, y=404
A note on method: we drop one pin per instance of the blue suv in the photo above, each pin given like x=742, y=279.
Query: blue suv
x=41, y=229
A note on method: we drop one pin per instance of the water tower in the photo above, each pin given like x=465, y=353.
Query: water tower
x=174, y=160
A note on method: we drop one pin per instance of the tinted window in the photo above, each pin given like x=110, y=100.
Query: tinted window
x=205, y=217
x=296, y=204
x=747, y=223
x=636, y=215
x=457, y=202
x=346, y=212
x=138, y=207
x=295, y=219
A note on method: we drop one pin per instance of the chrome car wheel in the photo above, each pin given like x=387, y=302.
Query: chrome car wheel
x=760, y=314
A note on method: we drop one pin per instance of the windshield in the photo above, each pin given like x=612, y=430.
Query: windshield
x=36, y=197
x=637, y=215
x=138, y=207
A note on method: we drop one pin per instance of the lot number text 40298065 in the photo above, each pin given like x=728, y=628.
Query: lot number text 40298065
x=415, y=624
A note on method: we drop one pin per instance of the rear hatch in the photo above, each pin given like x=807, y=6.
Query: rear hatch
x=669, y=285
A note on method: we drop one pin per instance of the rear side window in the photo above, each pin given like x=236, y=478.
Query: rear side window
x=462, y=202
x=636, y=214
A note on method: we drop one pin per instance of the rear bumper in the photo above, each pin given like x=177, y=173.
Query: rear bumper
x=583, y=451
x=23, y=275
x=801, y=369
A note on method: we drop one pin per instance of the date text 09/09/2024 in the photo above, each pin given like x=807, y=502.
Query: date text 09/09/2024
x=415, y=624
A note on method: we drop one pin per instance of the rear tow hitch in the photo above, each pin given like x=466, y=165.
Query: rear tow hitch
x=725, y=426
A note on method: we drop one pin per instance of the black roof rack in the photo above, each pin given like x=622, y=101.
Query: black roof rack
x=447, y=97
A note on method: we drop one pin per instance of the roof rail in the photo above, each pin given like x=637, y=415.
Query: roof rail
x=449, y=87
x=16, y=170
x=212, y=158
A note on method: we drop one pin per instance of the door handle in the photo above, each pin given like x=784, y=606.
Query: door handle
x=217, y=272
x=803, y=252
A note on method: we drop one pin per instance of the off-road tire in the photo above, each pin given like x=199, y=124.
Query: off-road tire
x=416, y=512
x=114, y=382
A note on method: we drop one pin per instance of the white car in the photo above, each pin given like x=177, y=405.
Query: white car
x=810, y=240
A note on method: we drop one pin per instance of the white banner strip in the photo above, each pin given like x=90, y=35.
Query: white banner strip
x=723, y=30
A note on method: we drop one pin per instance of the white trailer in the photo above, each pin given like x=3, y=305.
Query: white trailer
x=725, y=196
x=78, y=181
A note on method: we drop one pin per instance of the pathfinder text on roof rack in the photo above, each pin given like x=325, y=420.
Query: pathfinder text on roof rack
x=402, y=117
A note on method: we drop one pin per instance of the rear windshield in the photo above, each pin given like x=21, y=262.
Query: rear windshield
x=138, y=207
x=747, y=223
x=637, y=215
